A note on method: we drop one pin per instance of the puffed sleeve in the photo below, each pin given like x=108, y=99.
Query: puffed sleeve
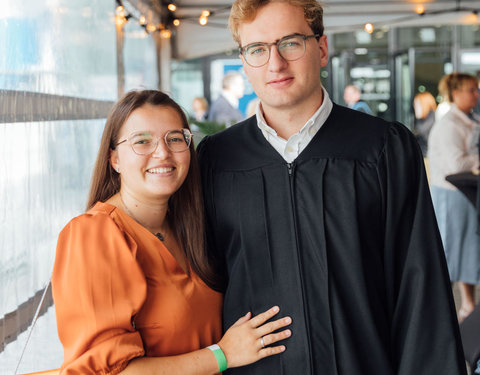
x=425, y=336
x=97, y=288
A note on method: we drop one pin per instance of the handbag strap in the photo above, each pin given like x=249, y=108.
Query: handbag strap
x=34, y=321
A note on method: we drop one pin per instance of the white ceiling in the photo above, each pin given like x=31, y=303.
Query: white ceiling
x=193, y=40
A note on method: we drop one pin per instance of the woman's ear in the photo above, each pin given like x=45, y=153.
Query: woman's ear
x=114, y=160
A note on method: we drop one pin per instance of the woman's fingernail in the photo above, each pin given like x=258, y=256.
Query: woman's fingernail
x=275, y=308
x=288, y=320
x=288, y=332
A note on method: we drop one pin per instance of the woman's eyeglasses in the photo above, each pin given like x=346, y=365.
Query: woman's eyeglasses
x=145, y=143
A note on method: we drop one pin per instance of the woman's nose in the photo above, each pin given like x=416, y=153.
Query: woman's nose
x=161, y=150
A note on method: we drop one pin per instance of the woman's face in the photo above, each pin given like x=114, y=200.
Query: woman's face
x=466, y=97
x=159, y=174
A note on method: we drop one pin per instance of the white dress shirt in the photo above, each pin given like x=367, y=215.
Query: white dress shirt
x=291, y=148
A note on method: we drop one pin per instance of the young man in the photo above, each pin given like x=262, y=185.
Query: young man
x=326, y=212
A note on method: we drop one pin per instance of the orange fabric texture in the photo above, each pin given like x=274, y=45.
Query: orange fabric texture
x=120, y=294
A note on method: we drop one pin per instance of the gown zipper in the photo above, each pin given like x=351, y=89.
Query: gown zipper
x=291, y=175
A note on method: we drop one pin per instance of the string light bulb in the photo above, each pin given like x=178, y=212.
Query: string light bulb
x=205, y=13
x=142, y=20
x=120, y=11
x=420, y=10
x=172, y=7
x=150, y=28
x=165, y=34
x=369, y=28
x=176, y=22
x=203, y=20
x=120, y=21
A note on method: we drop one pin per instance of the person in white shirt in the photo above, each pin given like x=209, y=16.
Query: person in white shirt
x=224, y=109
x=452, y=148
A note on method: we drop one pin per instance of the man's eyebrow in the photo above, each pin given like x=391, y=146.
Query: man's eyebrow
x=276, y=41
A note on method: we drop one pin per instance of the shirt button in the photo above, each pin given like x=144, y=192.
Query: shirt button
x=289, y=149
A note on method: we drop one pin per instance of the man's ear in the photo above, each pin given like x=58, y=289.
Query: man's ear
x=323, y=45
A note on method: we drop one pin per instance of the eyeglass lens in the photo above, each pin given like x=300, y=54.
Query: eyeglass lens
x=176, y=140
x=290, y=48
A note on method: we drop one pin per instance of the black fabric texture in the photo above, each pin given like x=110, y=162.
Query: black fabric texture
x=344, y=240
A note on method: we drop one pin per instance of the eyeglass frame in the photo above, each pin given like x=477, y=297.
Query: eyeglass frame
x=182, y=130
x=276, y=43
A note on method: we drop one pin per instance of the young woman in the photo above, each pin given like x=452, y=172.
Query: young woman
x=131, y=275
x=452, y=148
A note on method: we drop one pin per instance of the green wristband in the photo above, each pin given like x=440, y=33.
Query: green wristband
x=219, y=356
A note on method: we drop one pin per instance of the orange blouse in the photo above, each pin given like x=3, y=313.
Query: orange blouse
x=120, y=294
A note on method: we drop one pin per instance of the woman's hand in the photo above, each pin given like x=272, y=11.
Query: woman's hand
x=249, y=339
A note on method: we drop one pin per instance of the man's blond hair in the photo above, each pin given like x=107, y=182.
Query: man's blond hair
x=246, y=11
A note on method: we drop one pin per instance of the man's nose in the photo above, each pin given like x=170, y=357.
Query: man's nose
x=276, y=61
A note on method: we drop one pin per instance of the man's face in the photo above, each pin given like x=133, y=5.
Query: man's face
x=283, y=84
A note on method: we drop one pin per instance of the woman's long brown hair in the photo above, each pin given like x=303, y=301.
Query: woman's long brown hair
x=185, y=207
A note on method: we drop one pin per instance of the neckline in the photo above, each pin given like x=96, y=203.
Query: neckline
x=164, y=248
x=305, y=151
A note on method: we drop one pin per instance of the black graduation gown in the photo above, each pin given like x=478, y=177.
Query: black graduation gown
x=344, y=240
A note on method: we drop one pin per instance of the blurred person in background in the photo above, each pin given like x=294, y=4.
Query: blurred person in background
x=224, y=109
x=200, y=108
x=444, y=105
x=132, y=283
x=477, y=107
x=452, y=148
x=424, y=106
x=352, y=95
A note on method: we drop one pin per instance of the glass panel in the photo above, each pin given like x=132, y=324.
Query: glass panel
x=65, y=48
x=470, y=62
x=403, y=97
x=58, y=47
x=378, y=39
x=370, y=73
x=469, y=36
x=140, y=58
x=187, y=83
x=425, y=36
x=429, y=68
x=45, y=171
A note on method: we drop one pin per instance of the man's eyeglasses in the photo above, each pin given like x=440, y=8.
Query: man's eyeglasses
x=145, y=143
x=290, y=47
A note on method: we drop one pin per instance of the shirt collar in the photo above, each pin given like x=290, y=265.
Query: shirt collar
x=314, y=123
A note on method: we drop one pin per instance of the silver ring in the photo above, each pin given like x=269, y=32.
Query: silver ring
x=262, y=342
